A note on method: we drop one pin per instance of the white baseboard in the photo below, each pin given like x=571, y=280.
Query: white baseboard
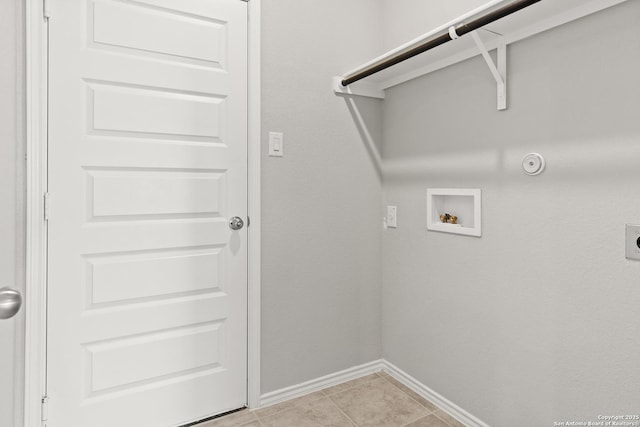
x=330, y=380
x=318, y=384
x=443, y=403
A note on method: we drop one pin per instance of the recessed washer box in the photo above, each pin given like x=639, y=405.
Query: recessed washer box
x=464, y=203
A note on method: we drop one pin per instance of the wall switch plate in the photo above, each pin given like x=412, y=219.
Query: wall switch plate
x=276, y=144
x=392, y=216
x=633, y=241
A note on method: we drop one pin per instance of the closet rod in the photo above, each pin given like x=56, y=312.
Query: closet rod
x=438, y=40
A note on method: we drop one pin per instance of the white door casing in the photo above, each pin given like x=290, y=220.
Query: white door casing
x=147, y=322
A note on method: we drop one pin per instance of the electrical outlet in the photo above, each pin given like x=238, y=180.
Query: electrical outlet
x=633, y=241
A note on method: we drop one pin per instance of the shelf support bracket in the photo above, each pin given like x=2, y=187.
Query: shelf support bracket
x=360, y=89
x=499, y=72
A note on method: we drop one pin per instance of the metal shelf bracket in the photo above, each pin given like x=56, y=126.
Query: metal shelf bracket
x=499, y=72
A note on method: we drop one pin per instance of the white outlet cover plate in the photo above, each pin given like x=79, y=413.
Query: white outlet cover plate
x=392, y=216
x=633, y=241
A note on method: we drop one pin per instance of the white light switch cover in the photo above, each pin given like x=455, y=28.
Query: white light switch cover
x=276, y=144
x=392, y=216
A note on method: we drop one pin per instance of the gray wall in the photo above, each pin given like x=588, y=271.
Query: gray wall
x=11, y=229
x=407, y=19
x=531, y=323
x=537, y=320
x=320, y=203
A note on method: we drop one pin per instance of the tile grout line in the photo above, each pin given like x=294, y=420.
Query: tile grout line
x=350, y=388
x=324, y=396
x=293, y=405
x=441, y=419
x=259, y=418
x=286, y=408
x=425, y=416
x=430, y=411
x=341, y=411
x=419, y=418
x=330, y=399
x=322, y=391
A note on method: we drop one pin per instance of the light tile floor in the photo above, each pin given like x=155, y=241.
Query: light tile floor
x=375, y=400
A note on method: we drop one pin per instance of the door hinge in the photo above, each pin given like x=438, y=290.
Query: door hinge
x=46, y=206
x=248, y=221
x=45, y=408
x=46, y=11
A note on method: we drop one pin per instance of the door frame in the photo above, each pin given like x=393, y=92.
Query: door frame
x=36, y=58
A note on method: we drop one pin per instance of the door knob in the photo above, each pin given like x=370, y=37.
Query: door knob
x=10, y=302
x=236, y=223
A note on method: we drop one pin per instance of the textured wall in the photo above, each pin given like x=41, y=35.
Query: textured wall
x=407, y=19
x=320, y=203
x=536, y=321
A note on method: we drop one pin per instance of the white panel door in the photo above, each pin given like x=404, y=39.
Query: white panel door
x=11, y=229
x=147, y=163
